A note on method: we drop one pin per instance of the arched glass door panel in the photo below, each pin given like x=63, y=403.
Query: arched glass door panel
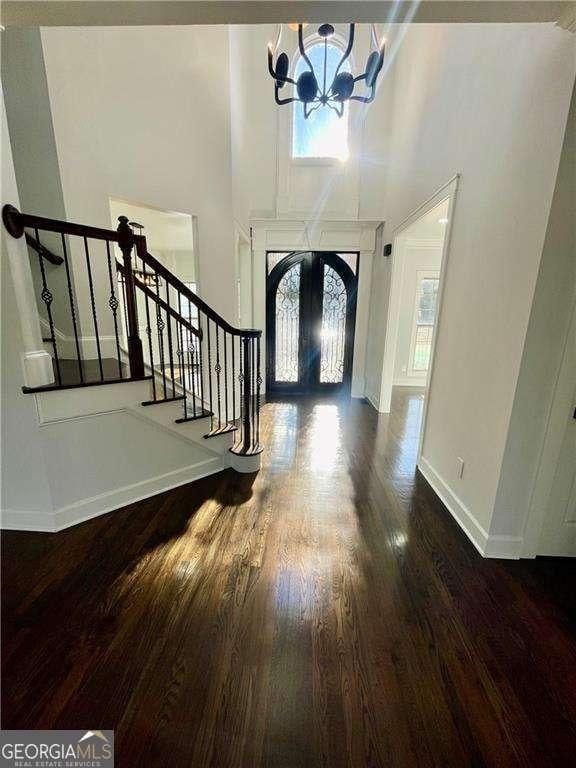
x=287, y=326
x=310, y=310
x=333, y=328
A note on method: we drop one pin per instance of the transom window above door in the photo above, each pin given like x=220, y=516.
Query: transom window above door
x=323, y=134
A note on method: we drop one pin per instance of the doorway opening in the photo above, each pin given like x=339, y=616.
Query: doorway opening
x=310, y=321
x=419, y=260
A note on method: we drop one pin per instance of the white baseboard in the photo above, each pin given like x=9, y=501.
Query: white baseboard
x=373, y=400
x=86, y=509
x=408, y=382
x=507, y=547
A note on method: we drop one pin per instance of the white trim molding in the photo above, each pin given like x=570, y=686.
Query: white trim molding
x=86, y=509
x=318, y=235
x=492, y=546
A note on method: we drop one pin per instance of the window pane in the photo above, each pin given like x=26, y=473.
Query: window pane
x=422, y=347
x=427, y=301
x=323, y=134
x=333, y=331
x=288, y=325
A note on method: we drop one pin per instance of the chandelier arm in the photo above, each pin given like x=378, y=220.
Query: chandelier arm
x=277, y=77
x=301, y=48
x=281, y=102
x=364, y=99
x=347, y=52
x=360, y=77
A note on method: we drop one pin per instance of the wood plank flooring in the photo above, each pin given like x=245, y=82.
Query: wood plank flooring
x=327, y=612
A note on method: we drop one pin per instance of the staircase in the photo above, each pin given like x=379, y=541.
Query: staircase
x=127, y=336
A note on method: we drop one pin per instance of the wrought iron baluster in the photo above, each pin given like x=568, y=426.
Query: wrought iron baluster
x=241, y=385
x=93, y=304
x=258, y=385
x=160, y=330
x=72, y=308
x=253, y=388
x=233, y=378
x=218, y=369
x=170, y=349
x=200, y=365
x=182, y=355
x=150, y=347
x=191, y=348
x=47, y=297
x=113, y=304
x=210, y=374
x=225, y=377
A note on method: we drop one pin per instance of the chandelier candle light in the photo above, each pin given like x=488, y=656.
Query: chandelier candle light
x=334, y=94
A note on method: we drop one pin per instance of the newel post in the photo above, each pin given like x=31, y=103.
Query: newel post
x=246, y=395
x=135, y=354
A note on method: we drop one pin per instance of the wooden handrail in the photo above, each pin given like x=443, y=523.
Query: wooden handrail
x=151, y=295
x=15, y=221
x=190, y=295
x=41, y=250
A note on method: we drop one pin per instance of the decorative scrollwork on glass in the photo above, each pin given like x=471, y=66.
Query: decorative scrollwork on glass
x=288, y=325
x=333, y=331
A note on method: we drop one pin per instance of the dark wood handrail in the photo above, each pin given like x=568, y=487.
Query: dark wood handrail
x=15, y=221
x=63, y=227
x=151, y=295
x=41, y=250
x=191, y=296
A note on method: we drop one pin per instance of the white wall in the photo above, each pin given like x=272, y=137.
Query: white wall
x=143, y=114
x=554, y=299
x=489, y=102
x=24, y=476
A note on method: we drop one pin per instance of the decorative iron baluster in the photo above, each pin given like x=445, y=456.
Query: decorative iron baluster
x=258, y=385
x=200, y=366
x=241, y=385
x=182, y=355
x=114, y=304
x=191, y=349
x=160, y=330
x=170, y=350
x=72, y=308
x=48, y=298
x=253, y=388
x=93, y=303
x=218, y=369
x=226, y=378
x=150, y=348
x=210, y=374
x=233, y=379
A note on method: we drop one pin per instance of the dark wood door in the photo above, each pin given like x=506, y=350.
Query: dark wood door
x=310, y=317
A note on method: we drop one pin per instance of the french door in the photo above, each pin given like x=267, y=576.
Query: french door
x=310, y=317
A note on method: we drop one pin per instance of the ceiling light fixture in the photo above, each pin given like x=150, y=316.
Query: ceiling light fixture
x=341, y=89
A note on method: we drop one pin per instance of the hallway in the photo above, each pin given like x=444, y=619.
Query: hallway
x=328, y=612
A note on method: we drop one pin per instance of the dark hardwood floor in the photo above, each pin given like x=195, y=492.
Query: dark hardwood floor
x=327, y=612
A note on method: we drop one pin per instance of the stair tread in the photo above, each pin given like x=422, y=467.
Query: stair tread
x=223, y=430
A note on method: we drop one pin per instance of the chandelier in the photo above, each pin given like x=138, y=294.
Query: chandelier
x=332, y=94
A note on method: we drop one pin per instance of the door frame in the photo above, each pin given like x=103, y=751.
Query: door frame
x=562, y=401
x=313, y=309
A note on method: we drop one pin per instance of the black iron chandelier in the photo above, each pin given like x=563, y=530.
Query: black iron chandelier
x=335, y=94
